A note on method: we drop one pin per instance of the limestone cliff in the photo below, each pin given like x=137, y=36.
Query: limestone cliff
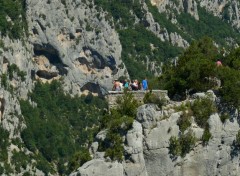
x=147, y=147
x=77, y=42
x=80, y=44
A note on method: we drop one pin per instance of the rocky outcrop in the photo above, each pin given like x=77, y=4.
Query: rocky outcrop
x=79, y=44
x=147, y=146
x=188, y=6
x=225, y=9
x=98, y=167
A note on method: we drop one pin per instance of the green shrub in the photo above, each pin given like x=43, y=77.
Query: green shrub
x=187, y=142
x=184, y=121
x=4, y=143
x=115, y=146
x=185, y=107
x=4, y=81
x=13, y=68
x=206, y=135
x=202, y=109
x=26, y=174
x=127, y=105
x=238, y=139
x=79, y=158
x=224, y=117
x=230, y=89
x=183, y=145
x=153, y=98
x=193, y=69
x=117, y=123
x=174, y=146
x=1, y=170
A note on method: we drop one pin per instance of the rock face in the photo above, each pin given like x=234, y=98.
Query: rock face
x=147, y=146
x=77, y=41
x=98, y=167
x=74, y=42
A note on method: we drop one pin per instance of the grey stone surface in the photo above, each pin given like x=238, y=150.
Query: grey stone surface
x=88, y=51
x=147, y=146
x=97, y=167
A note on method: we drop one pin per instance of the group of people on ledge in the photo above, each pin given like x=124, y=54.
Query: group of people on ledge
x=130, y=85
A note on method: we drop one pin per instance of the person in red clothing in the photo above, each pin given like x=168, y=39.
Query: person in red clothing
x=219, y=63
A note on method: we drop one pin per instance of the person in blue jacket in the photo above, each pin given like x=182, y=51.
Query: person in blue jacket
x=145, y=84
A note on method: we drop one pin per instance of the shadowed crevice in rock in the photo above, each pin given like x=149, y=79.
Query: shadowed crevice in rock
x=35, y=32
x=41, y=26
x=2, y=107
x=84, y=61
x=5, y=60
x=93, y=88
x=99, y=61
x=52, y=55
x=47, y=75
x=33, y=72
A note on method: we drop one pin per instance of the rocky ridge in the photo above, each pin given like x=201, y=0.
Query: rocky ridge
x=147, y=147
x=73, y=42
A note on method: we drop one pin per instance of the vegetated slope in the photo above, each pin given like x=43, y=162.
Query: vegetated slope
x=167, y=133
x=60, y=127
x=13, y=18
x=142, y=46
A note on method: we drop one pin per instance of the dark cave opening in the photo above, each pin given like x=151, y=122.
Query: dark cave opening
x=52, y=54
x=93, y=88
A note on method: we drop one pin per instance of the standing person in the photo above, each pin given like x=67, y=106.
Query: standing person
x=134, y=85
x=126, y=85
x=116, y=85
x=145, y=84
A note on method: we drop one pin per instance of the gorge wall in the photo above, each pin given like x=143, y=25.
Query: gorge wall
x=85, y=46
x=147, y=147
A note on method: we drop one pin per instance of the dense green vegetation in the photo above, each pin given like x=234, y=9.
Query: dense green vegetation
x=196, y=71
x=150, y=97
x=139, y=44
x=60, y=127
x=4, y=144
x=238, y=139
x=202, y=109
x=193, y=70
x=117, y=123
x=163, y=21
x=12, y=72
x=184, y=120
x=206, y=135
x=136, y=43
x=12, y=18
x=183, y=145
x=209, y=25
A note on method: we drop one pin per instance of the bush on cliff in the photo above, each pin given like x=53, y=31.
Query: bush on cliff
x=117, y=123
x=193, y=69
x=15, y=10
x=60, y=126
x=183, y=145
x=202, y=109
x=150, y=97
x=238, y=139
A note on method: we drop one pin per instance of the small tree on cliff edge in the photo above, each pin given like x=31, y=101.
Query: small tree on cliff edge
x=193, y=69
